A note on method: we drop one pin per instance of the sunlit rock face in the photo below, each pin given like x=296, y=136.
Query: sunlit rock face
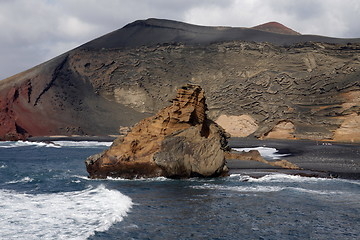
x=178, y=142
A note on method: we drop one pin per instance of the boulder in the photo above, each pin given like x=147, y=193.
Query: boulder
x=178, y=142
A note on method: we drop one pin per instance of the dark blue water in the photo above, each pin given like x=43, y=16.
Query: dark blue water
x=44, y=194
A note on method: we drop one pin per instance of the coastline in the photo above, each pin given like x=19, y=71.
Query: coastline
x=75, y=138
x=316, y=159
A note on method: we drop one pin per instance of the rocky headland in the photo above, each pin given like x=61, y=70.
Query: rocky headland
x=266, y=82
x=179, y=141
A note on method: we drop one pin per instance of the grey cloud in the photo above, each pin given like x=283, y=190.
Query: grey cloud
x=299, y=10
x=40, y=30
x=336, y=18
x=35, y=31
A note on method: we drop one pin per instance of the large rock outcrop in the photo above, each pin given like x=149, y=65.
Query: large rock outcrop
x=179, y=141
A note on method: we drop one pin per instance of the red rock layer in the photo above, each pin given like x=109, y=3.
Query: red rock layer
x=11, y=108
x=19, y=118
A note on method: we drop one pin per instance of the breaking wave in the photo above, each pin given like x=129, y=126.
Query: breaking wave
x=27, y=144
x=55, y=144
x=23, y=180
x=85, y=144
x=289, y=183
x=266, y=189
x=286, y=178
x=277, y=177
x=245, y=189
x=155, y=179
x=65, y=215
x=265, y=152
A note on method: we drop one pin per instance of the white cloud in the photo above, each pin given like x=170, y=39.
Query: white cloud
x=34, y=31
x=73, y=27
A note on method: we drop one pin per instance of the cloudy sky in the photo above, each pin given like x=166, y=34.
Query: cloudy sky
x=33, y=31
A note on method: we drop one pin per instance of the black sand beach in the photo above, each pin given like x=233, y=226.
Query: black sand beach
x=323, y=159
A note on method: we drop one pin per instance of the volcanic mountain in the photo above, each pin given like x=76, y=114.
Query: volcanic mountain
x=276, y=27
x=259, y=82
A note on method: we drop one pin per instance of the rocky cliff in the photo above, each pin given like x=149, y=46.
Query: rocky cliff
x=259, y=83
x=179, y=141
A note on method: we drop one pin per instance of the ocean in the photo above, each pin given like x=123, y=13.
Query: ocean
x=45, y=194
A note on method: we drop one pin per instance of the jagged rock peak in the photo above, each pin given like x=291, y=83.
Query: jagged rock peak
x=190, y=104
x=275, y=27
x=179, y=141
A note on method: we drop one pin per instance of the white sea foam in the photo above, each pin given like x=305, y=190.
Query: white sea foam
x=266, y=152
x=287, y=178
x=321, y=192
x=155, y=179
x=26, y=144
x=55, y=144
x=2, y=165
x=82, y=177
x=23, y=180
x=66, y=215
x=270, y=183
x=4, y=144
x=265, y=189
x=277, y=177
x=245, y=189
x=84, y=144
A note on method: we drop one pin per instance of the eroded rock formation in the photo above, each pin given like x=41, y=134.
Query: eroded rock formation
x=179, y=141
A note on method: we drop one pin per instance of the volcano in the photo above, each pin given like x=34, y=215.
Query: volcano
x=266, y=82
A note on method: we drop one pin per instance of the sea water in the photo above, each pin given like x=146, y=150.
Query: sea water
x=45, y=194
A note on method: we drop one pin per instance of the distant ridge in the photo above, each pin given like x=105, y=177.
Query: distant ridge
x=276, y=27
x=153, y=31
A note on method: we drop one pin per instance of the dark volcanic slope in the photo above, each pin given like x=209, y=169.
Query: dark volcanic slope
x=156, y=31
x=303, y=90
